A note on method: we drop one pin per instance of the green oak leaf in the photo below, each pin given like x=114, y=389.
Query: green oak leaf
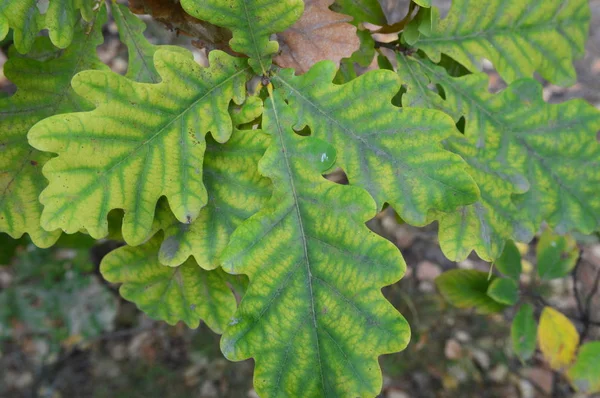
x=523, y=332
x=361, y=11
x=185, y=293
x=486, y=225
x=504, y=290
x=252, y=22
x=236, y=191
x=313, y=317
x=142, y=142
x=547, y=153
x=61, y=19
x=44, y=89
x=140, y=67
x=24, y=18
x=519, y=37
x=585, y=372
x=467, y=288
x=393, y=153
x=556, y=255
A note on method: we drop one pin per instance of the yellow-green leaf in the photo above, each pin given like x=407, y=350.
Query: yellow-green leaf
x=140, y=66
x=142, y=142
x=393, y=153
x=313, y=317
x=61, y=19
x=465, y=288
x=252, y=23
x=236, y=191
x=523, y=332
x=585, y=373
x=519, y=37
x=558, y=339
x=44, y=89
x=556, y=255
x=185, y=293
x=546, y=156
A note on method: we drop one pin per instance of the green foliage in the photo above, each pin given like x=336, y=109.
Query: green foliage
x=160, y=152
x=509, y=263
x=326, y=328
x=468, y=288
x=504, y=290
x=557, y=255
x=519, y=37
x=43, y=90
x=252, y=23
x=585, y=373
x=185, y=292
x=523, y=332
x=218, y=199
x=26, y=20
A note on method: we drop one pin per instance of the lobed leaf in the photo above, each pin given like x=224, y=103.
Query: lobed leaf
x=546, y=156
x=393, y=153
x=252, y=23
x=140, y=67
x=185, y=293
x=142, y=142
x=465, y=288
x=313, y=317
x=44, y=89
x=519, y=37
x=558, y=339
x=523, y=332
x=236, y=191
x=61, y=19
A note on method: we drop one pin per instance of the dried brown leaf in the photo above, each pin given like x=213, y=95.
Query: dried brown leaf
x=319, y=34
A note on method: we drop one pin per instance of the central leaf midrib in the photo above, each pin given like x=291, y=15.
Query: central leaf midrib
x=289, y=172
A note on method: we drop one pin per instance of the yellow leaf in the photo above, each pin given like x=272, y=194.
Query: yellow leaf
x=558, y=339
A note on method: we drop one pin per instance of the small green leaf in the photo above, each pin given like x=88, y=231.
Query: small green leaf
x=393, y=153
x=557, y=255
x=558, y=339
x=313, y=316
x=523, y=332
x=142, y=142
x=140, y=67
x=509, y=263
x=468, y=288
x=361, y=11
x=186, y=293
x=519, y=37
x=504, y=290
x=585, y=373
x=43, y=79
x=252, y=23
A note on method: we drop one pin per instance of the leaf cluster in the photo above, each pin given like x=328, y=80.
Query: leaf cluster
x=216, y=182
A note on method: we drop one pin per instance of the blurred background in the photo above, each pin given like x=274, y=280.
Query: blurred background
x=65, y=332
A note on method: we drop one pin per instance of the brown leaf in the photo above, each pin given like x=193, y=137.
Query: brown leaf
x=319, y=34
